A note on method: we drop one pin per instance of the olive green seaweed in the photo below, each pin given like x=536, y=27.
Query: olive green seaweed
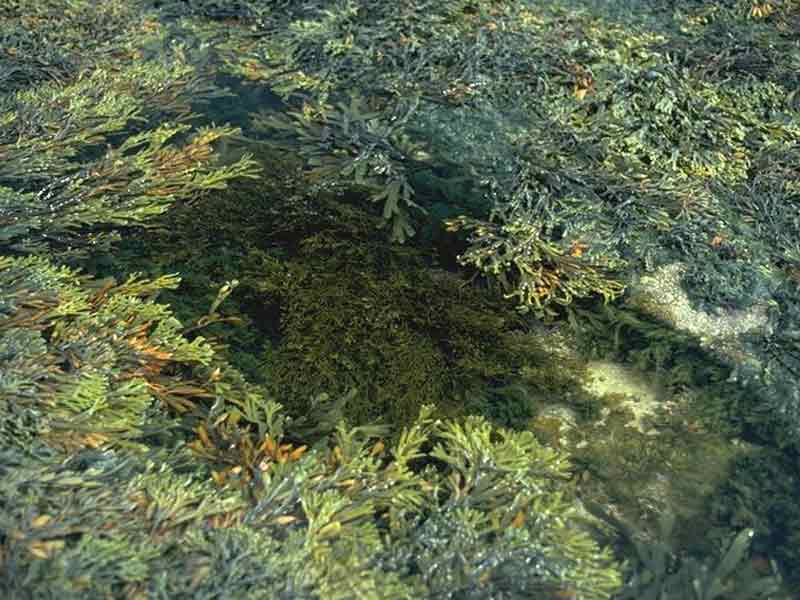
x=300, y=299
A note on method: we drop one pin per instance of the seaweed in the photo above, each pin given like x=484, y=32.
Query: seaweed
x=573, y=146
x=662, y=574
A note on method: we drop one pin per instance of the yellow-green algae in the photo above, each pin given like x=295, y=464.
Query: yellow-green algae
x=506, y=372
x=641, y=451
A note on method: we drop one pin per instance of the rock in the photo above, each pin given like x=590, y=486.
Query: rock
x=661, y=295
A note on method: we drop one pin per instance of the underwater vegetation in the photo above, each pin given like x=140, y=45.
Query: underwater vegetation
x=663, y=575
x=303, y=299
x=326, y=306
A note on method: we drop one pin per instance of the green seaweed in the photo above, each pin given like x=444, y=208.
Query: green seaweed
x=663, y=574
x=578, y=145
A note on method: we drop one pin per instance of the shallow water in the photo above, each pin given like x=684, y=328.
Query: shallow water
x=658, y=397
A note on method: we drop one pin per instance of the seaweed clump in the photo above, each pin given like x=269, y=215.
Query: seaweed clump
x=663, y=574
x=136, y=460
x=573, y=148
x=357, y=315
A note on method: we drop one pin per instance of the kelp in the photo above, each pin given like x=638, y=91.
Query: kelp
x=575, y=145
x=632, y=151
x=153, y=435
x=663, y=575
x=137, y=461
x=490, y=517
x=539, y=274
x=368, y=149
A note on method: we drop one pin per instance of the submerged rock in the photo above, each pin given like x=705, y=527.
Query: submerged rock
x=662, y=296
x=641, y=395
